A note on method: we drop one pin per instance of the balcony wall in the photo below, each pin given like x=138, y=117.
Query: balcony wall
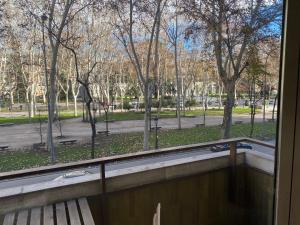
x=205, y=190
x=205, y=199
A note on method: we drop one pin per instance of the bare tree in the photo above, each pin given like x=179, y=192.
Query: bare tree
x=129, y=17
x=54, y=16
x=231, y=27
x=174, y=35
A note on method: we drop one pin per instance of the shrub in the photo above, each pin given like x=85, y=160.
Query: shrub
x=172, y=103
x=190, y=103
x=142, y=105
x=155, y=103
x=127, y=105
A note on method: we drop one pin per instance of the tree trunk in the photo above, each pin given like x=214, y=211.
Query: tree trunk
x=34, y=104
x=183, y=102
x=253, y=107
x=227, y=119
x=67, y=98
x=264, y=100
x=75, y=105
x=28, y=103
x=31, y=106
x=52, y=95
x=93, y=126
x=44, y=97
x=122, y=102
x=220, y=94
x=274, y=105
x=12, y=102
x=146, y=118
x=32, y=101
x=177, y=73
x=178, y=92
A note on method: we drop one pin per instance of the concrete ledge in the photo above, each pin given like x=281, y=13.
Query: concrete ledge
x=260, y=161
x=141, y=175
x=89, y=185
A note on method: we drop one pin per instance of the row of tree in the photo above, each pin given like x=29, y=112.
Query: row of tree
x=148, y=48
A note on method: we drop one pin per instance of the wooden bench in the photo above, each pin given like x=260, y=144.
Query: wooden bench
x=238, y=122
x=200, y=125
x=68, y=142
x=158, y=128
x=189, y=116
x=47, y=215
x=109, y=121
x=6, y=124
x=4, y=147
x=103, y=132
x=39, y=146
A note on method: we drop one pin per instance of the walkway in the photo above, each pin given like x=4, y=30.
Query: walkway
x=23, y=136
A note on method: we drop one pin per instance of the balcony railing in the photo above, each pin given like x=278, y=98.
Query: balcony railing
x=102, y=162
x=230, y=159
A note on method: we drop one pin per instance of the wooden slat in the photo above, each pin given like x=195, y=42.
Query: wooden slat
x=61, y=215
x=73, y=213
x=35, y=218
x=48, y=215
x=22, y=217
x=156, y=217
x=86, y=212
x=9, y=219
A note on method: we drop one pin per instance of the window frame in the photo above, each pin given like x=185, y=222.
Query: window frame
x=288, y=144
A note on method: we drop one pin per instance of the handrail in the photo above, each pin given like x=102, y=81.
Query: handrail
x=102, y=161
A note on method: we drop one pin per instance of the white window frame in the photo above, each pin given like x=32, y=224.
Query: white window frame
x=287, y=205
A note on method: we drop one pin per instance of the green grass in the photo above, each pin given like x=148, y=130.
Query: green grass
x=121, y=116
x=128, y=143
x=25, y=119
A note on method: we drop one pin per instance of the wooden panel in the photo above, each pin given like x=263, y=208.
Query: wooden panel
x=9, y=219
x=73, y=213
x=61, y=215
x=35, y=218
x=86, y=212
x=196, y=200
x=22, y=217
x=48, y=215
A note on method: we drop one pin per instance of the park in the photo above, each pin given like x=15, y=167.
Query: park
x=26, y=146
x=124, y=112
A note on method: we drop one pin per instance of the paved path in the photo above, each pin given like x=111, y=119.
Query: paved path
x=23, y=136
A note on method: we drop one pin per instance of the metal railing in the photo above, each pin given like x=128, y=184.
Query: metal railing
x=101, y=162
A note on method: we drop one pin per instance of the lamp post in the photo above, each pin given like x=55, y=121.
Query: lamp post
x=106, y=107
x=44, y=18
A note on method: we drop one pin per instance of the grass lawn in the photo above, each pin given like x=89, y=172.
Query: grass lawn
x=130, y=142
x=170, y=114
x=25, y=119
